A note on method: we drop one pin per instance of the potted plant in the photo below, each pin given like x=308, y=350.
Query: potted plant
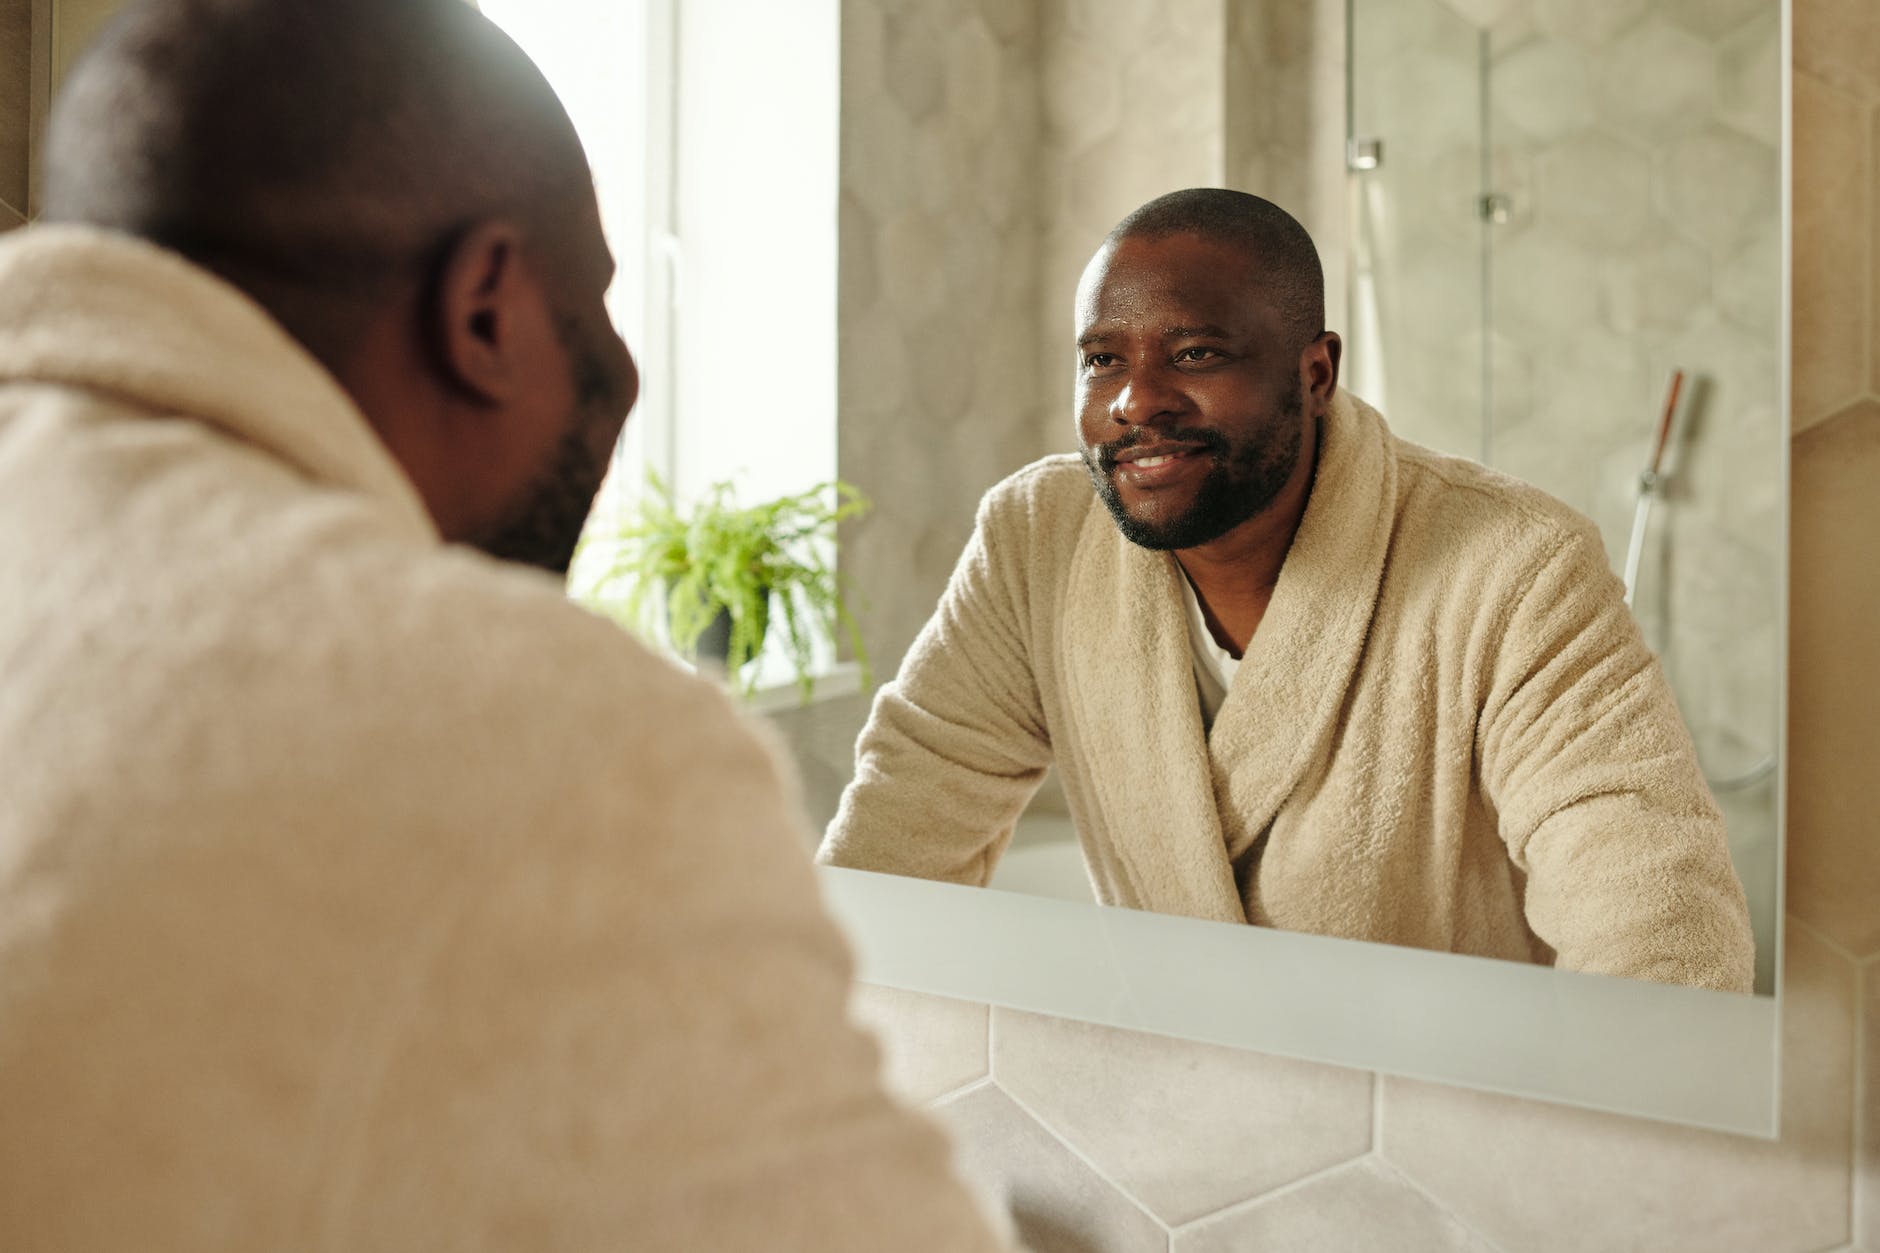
x=724, y=572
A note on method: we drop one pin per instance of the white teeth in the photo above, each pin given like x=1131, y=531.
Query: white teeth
x=1164, y=459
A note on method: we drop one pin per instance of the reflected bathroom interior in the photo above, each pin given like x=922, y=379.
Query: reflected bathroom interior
x=1568, y=267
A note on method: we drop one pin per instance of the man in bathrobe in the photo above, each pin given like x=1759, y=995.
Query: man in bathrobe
x=356, y=890
x=1292, y=670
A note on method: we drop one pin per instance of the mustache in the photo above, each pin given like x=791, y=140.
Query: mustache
x=1212, y=442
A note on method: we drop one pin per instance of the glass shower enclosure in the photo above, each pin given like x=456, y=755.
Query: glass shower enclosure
x=1566, y=263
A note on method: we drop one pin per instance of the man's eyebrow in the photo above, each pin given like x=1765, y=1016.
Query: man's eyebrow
x=1094, y=337
x=1195, y=332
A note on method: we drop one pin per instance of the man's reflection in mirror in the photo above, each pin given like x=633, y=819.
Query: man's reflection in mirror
x=1295, y=671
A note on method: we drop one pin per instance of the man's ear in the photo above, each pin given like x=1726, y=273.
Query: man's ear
x=475, y=307
x=1318, y=365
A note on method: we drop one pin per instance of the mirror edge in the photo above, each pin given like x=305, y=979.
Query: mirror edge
x=1683, y=1055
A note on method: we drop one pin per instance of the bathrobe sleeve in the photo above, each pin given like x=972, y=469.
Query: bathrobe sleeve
x=957, y=744
x=1600, y=798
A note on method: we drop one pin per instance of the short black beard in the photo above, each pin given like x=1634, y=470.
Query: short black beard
x=1242, y=482
x=545, y=527
x=546, y=524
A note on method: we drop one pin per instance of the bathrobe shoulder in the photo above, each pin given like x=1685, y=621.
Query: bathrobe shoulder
x=1447, y=731
x=360, y=892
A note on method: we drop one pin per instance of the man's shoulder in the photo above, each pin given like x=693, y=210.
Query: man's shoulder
x=1050, y=496
x=1478, y=510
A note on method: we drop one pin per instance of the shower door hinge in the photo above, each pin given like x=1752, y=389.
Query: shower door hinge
x=1363, y=154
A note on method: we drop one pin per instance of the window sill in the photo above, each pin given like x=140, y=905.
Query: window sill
x=844, y=678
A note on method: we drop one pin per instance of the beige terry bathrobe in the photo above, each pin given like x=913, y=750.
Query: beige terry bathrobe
x=357, y=892
x=1446, y=732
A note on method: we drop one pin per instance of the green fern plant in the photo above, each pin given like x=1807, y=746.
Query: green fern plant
x=747, y=563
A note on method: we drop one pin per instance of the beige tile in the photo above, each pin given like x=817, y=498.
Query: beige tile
x=15, y=66
x=1749, y=76
x=1714, y=19
x=1595, y=190
x=1186, y=1129
x=1839, y=42
x=1832, y=186
x=1654, y=286
x=1867, y=1174
x=1834, y=654
x=931, y=1045
x=1589, y=22
x=911, y=65
x=1717, y=187
x=1656, y=81
x=1748, y=285
x=1364, y=1207
x=1057, y=1202
x=1547, y=1179
x=1545, y=88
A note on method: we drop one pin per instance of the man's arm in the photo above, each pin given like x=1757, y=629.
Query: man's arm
x=957, y=744
x=660, y=1010
x=1601, y=801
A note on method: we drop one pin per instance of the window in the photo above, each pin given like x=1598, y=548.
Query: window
x=712, y=129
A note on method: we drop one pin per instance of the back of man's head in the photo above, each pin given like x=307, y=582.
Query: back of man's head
x=310, y=153
x=1271, y=239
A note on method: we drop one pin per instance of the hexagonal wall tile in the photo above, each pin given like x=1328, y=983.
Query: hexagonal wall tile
x=1588, y=22
x=1057, y=1202
x=1186, y=1129
x=1545, y=88
x=1867, y=1179
x=1431, y=97
x=1549, y=1179
x=1363, y=1207
x=1595, y=190
x=931, y=1045
x=911, y=66
x=1839, y=42
x=1748, y=285
x=1733, y=374
x=1717, y=187
x=1655, y=286
x=1543, y=283
x=1834, y=651
x=1749, y=78
x=1831, y=181
x=1484, y=14
x=974, y=67
x=1656, y=80
x=1713, y=18
x=1082, y=94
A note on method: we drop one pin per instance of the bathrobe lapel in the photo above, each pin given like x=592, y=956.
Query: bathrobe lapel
x=1286, y=698
x=1183, y=806
x=1131, y=693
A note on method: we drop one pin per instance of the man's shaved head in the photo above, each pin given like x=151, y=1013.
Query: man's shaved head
x=396, y=183
x=312, y=153
x=1277, y=247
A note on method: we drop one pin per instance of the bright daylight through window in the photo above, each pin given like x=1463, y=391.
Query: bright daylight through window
x=711, y=127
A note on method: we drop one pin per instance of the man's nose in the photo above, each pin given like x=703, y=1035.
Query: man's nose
x=1148, y=395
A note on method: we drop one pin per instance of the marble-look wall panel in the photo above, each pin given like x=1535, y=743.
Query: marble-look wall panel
x=1133, y=107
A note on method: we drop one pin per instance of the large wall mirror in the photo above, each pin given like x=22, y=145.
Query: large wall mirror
x=1555, y=240
x=1555, y=237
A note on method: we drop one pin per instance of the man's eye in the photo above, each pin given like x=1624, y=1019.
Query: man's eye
x=1099, y=361
x=1196, y=354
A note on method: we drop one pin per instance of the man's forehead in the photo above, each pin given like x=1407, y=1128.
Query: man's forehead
x=1176, y=284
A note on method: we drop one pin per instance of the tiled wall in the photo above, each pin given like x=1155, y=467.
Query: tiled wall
x=1635, y=149
x=15, y=62
x=1106, y=1140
